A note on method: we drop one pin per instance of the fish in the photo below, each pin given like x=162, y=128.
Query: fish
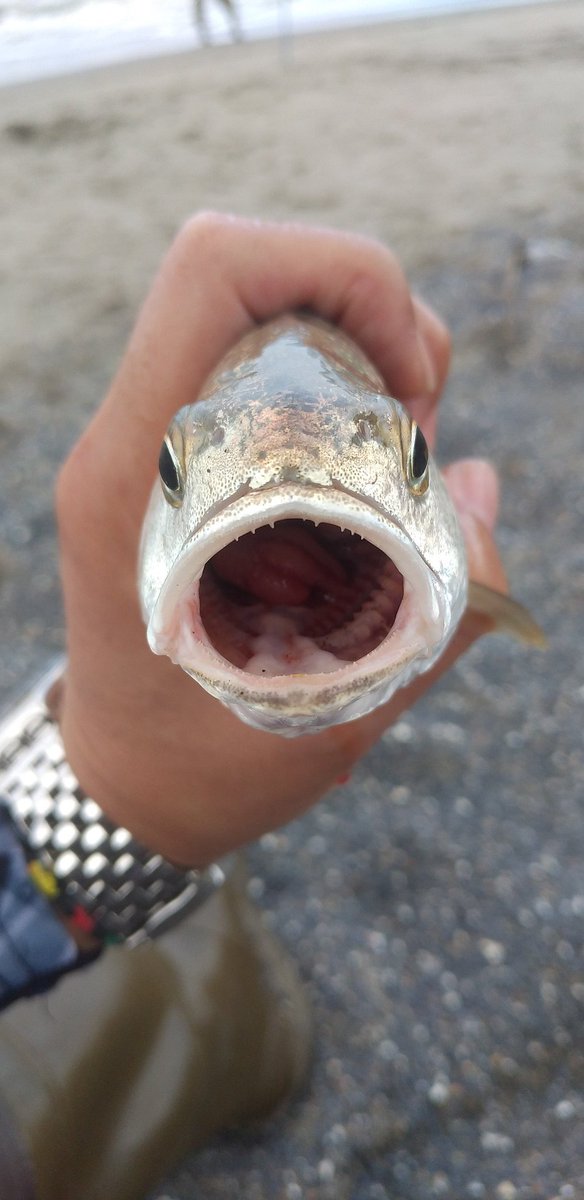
x=300, y=556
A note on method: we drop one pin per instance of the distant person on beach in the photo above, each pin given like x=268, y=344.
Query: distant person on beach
x=200, y=16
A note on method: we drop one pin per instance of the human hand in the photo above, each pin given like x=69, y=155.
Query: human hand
x=158, y=753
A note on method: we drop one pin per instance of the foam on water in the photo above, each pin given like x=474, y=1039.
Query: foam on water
x=52, y=37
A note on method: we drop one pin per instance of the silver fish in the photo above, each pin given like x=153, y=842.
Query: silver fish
x=300, y=556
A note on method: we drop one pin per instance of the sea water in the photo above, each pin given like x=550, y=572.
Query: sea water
x=53, y=37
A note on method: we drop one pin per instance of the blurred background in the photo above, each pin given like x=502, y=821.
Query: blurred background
x=435, y=904
x=46, y=37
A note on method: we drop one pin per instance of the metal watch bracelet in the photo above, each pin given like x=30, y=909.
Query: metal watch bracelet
x=130, y=893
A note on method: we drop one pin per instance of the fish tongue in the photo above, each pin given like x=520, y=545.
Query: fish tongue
x=278, y=567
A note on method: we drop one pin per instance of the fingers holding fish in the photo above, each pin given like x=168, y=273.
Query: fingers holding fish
x=312, y=598
x=236, y=572
x=222, y=275
x=349, y=279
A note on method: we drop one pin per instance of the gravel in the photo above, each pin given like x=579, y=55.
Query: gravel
x=435, y=903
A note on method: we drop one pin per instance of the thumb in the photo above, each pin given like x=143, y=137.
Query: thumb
x=474, y=490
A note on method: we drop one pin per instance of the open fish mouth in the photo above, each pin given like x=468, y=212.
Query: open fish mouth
x=300, y=608
x=295, y=596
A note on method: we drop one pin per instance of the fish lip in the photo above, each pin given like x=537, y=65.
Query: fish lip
x=299, y=693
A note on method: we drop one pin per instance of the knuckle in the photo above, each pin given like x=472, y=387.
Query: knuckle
x=202, y=233
x=391, y=265
x=385, y=264
x=379, y=277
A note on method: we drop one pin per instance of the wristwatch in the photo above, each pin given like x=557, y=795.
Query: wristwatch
x=91, y=870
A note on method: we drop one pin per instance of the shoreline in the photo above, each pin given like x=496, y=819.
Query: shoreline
x=144, y=55
x=502, y=125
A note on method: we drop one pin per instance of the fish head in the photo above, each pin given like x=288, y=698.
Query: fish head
x=300, y=556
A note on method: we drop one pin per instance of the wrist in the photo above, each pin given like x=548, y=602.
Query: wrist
x=96, y=868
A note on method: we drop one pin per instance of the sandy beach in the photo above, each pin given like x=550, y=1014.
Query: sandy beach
x=413, y=132
x=435, y=904
x=419, y=133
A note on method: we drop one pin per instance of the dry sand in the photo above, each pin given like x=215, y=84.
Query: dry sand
x=410, y=131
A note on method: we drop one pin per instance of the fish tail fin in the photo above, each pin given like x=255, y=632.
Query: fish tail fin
x=507, y=615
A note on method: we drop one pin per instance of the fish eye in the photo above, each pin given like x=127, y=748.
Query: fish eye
x=418, y=458
x=170, y=473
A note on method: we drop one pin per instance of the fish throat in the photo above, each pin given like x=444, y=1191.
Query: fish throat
x=297, y=597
